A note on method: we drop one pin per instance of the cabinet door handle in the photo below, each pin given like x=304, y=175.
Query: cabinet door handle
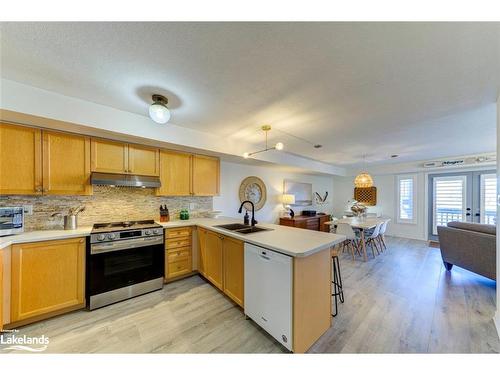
x=38, y=189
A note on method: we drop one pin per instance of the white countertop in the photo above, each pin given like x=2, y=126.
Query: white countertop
x=287, y=240
x=291, y=241
x=43, y=235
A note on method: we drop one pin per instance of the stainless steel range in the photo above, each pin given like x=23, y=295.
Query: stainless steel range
x=124, y=260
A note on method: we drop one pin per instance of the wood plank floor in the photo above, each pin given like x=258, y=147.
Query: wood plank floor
x=403, y=301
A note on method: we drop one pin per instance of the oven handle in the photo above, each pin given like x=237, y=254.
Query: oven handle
x=100, y=248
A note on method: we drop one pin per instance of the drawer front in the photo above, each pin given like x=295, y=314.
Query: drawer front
x=178, y=254
x=179, y=268
x=174, y=243
x=179, y=232
x=313, y=224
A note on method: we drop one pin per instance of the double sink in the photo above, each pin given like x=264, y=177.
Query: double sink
x=241, y=228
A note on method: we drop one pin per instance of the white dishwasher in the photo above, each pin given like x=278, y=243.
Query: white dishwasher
x=268, y=291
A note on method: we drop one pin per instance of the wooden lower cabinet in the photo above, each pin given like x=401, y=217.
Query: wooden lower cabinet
x=1, y=290
x=178, y=253
x=47, y=276
x=233, y=253
x=213, y=259
x=221, y=263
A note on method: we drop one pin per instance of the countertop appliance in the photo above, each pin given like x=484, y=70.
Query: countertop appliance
x=11, y=220
x=268, y=292
x=124, y=260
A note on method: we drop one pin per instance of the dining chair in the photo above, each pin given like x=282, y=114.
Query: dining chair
x=381, y=237
x=352, y=240
x=372, y=239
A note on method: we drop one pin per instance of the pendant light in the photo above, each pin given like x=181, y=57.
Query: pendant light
x=158, y=111
x=278, y=146
x=363, y=180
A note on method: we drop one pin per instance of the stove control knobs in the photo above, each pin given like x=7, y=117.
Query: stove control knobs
x=111, y=236
x=156, y=231
x=101, y=237
x=147, y=232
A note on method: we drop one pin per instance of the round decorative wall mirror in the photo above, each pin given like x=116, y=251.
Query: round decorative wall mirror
x=253, y=189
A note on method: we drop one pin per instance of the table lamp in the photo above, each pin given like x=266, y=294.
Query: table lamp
x=289, y=199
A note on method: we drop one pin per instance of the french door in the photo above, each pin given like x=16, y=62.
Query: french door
x=469, y=196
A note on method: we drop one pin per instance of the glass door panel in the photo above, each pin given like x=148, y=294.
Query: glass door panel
x=449, y=200
x=466, y=196
x=488, y=199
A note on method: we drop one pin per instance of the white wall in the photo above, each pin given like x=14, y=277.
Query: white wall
x=343, y=190
x=232, y=174
x=497, y=315
x=19, y=101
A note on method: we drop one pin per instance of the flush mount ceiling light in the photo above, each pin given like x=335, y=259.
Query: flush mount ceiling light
x=158, y=111
x=278, y=146
x=363, y=180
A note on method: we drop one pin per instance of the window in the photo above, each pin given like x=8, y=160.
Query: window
x=406, y=189
x=488, y=207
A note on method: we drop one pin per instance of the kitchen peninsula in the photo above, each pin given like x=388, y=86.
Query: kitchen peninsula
x=218, y=255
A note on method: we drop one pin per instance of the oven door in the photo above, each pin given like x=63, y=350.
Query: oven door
x=123, y=263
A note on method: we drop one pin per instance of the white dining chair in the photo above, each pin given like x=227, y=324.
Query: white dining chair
x=332, y=226
x=371, y=214
x=352, y=241
x=372, y=239
x=381, y=237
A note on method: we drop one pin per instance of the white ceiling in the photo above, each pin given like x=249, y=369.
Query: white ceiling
x=420, y=90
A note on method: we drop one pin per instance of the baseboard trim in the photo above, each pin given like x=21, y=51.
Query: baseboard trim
x=496, y=320
x=433, y=243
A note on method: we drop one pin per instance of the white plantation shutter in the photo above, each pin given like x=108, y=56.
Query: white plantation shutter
x=406, y=199
x=449, y=200
x=488, y=198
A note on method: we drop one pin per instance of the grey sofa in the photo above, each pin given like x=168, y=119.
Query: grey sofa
x=470, y=246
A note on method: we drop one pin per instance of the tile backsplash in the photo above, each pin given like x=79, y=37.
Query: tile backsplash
x=105, y=205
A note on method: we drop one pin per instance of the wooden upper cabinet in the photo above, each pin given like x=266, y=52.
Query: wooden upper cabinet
x=175, y=173
x=143, y=160
x=213, y=253
x=109, y=156
x=233, y=254
x=117, y=157
x=47, y=276
x=20, y=160
x=66, y=164
x=205, y=175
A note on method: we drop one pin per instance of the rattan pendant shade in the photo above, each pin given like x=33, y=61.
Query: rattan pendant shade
x=363, y=180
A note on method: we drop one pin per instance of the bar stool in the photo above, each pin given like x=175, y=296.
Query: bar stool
x=338, y=293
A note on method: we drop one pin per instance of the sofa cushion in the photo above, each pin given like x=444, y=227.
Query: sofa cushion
x=475, y=227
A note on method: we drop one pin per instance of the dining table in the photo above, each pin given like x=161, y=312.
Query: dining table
x=362, y=224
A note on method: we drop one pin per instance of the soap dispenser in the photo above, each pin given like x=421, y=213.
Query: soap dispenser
x=246, y=218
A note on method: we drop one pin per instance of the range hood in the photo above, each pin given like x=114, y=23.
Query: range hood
x=117, y=179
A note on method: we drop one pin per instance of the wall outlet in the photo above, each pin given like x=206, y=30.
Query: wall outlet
x=192, y=206
x=28, y=209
